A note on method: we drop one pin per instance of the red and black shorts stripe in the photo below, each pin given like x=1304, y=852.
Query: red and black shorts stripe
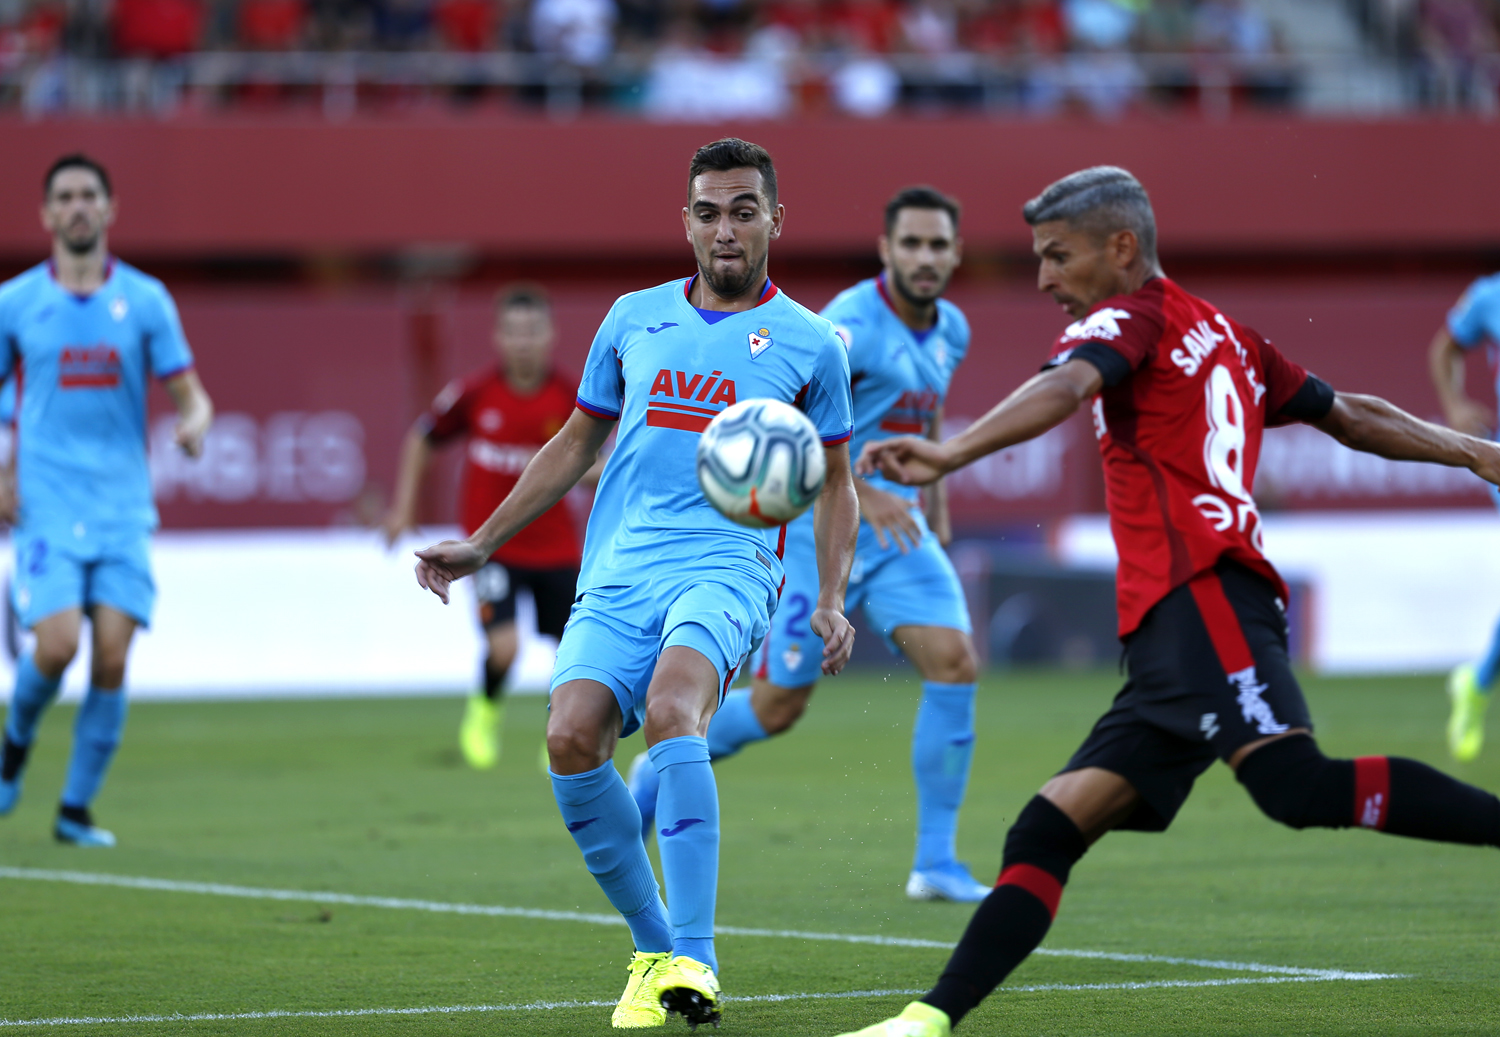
x=1208, y=673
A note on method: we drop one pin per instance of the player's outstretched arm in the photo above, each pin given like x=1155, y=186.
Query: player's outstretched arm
x=195, y=411
x=416, y=454
x=835, y=527
x=554, y=471
x=1375, y=426
x=1445, y=363
x=1045, y=401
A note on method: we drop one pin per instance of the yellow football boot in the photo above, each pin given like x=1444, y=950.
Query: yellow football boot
x=1466, y=723
x=479, y=734
x=690, y=989
x=916, y=1020
x=640, y=1005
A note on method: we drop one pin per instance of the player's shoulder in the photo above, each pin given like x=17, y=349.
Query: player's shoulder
x=667, y=291
x=1141, y=313
x=853, y=301
x=953, y=320
x=816, y=326
x=1484, y=291
x=26, y=282
x=135, y=279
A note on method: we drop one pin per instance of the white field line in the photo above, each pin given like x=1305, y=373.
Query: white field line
x=549, y=1006
x=90, y=878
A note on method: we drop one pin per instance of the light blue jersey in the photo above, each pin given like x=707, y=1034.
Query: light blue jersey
x=660, y=565
x=82, y=366
x=899, y=380
x=1475, y=319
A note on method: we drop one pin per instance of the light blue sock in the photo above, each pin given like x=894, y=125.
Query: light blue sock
x=687, y=830
x=96, y=736
x=597, y=808
x=34, y=693
x=1489, y=666
x=942, y=746
x=734, y=726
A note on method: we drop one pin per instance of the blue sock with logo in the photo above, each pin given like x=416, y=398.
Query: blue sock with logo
x=734, y=726
x=603, y=819
x=34, y=693
x=96, y=736
x=687, y=833
x=1489, y=666
x=942, y=746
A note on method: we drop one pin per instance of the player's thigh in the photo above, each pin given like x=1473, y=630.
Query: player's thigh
x=919, y=589
x=940, y=654
x=49, y=579
x=682, y=695
x=723, y=622
x=112, y=633
x=501, y=642
x=553, y=591
x=778, y=707
x=1095, y=799
x=613, y=639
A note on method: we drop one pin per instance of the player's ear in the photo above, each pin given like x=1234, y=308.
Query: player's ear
x=1124, y=247
x=958, y=250
x=883, y=246
x=778, y=217
x=687, y=225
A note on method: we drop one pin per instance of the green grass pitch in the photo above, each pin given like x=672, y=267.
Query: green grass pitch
x=369, y=798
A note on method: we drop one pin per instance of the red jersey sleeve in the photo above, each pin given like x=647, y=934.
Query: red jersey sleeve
x=449, y=414
x=1292, y=394
x=1119, y=336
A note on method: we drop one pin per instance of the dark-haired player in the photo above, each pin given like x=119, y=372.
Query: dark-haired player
x=673, y=596
x=1181, y=394
x=505, y=411
x=84, y=334
x=904, y=343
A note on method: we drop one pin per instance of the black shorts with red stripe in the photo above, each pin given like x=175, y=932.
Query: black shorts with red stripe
x=1208, y=673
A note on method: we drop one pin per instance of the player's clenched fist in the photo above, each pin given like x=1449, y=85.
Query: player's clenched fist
x=838, y=638
x=441, y=564
x=908, y=460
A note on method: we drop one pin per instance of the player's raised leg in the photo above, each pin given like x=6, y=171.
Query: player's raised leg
x=38, y=677
x=942, y=749
x=97, y=729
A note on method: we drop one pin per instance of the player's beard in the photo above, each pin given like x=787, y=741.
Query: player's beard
x=81, y=246
x=732, y=286
x=910, y=295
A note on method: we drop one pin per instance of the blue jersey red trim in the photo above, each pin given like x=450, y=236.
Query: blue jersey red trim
x=836, y=440
x=597, y=412
x=769, y=292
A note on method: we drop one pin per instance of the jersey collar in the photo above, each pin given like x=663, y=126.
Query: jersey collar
x=109, y=272
x=885, y=297
x=769, y=292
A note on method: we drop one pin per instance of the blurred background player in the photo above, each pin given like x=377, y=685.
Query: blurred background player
x=84, y=333
x=674, y=597
x=1181, y=396
x=1473, y=321
x=904, y=343
x=506, y=411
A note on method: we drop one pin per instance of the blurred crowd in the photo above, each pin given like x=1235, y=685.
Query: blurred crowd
x=706, y=59
x=1451, y=48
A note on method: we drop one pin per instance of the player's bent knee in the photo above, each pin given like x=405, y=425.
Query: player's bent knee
x=778, y=708
x=573, y=750
x=1293, y=782
x=54, y=651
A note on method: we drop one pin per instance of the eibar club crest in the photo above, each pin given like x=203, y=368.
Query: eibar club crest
x=760, y=341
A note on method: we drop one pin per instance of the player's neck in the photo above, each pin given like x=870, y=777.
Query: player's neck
x=705, y=298
x=81, y=274
x=525, y=383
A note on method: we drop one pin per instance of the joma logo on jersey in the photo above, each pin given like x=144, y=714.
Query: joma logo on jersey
x=663, y=410
x=88, y=367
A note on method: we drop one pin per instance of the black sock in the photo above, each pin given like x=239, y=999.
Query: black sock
x=1040, y=850
x=80, y=815
x=494, y=680
x=1425, y=803
x=12, y=759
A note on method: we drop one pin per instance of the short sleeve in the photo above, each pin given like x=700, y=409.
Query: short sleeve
x=449, y=414
x=1117, y=338
x=170, y=355
x=601, y=390
x=1476, y=315
x=1291, y=393
x=826, y=398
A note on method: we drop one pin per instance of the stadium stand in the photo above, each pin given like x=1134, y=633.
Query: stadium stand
x=767, y=58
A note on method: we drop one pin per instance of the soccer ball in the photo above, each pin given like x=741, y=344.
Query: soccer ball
x=760, y=463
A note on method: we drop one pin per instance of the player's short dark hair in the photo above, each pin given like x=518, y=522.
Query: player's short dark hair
x=77, y=160
x=523, y=295
x=733, y=153
x=1103, y=199
x=920, y=197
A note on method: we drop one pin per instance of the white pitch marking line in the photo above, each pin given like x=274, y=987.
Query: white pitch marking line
x=91, y=878
x=549, y=1006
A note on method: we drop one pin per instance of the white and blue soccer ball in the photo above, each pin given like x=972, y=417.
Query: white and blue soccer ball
x=761, y=463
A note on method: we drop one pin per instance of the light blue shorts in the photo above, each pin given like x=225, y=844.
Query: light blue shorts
x=59, y=569
x=615, y=634
x=894, y=589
